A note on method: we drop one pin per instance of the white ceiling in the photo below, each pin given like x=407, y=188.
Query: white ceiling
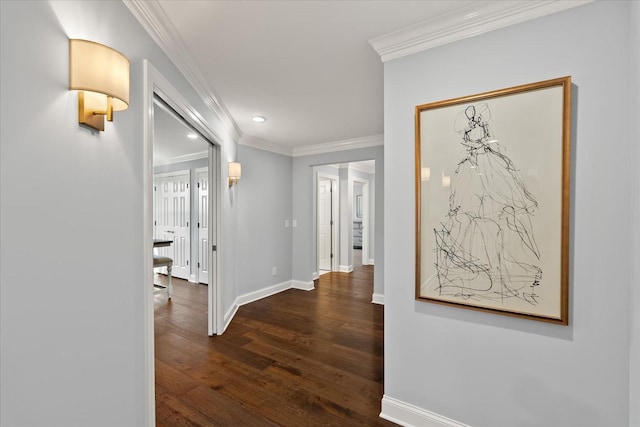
x=170, y=141
x=309, y=66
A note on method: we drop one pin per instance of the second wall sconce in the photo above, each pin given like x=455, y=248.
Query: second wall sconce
x=100, y=74
x=235, y=171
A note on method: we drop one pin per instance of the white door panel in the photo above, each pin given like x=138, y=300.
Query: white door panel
x=325, y=222
x=172, y=223
x=203, y=226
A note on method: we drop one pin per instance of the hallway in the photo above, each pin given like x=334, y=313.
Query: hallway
x=296, y=358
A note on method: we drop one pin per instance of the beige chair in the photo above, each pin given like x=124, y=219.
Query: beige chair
x=163, y=261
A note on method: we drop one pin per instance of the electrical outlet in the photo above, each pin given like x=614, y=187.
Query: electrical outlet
x=275, y=271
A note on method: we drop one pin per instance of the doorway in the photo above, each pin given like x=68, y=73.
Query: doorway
x=158, y=87
x=327, y=192
x=344, y=218
x=361, y=226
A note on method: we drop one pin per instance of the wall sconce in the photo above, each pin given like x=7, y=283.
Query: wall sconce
x=235, y=171
x=101, y=75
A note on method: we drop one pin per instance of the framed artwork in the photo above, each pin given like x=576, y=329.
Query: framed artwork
x=492, y=201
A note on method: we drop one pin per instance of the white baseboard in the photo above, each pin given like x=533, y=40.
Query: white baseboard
x=371, y=261
x=345, y=268
x=228, y=316
x=408, y=415
x=315, y=275
x=304, y=286
x=378, y=299
x=193, y=278
x=263, y=293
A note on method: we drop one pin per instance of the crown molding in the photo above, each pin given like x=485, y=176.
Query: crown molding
x=184, y=158
x=347, y=144
x=154, y=20
x=253, y=142
x=473, y=20
x=358, y=166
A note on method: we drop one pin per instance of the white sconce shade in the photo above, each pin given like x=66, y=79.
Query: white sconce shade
x=426, y=174
x=101, y=75
x=235, y=172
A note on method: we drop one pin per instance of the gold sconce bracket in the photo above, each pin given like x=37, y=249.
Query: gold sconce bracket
x=89, y=113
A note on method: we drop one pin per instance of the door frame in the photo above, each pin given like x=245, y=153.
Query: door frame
x=335, y=213
x=365, y=219
x=155, y=82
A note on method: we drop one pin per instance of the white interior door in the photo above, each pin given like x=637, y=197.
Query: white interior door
x=216, y=319
x=325, y=224
x=203, y=224
x=172, y=212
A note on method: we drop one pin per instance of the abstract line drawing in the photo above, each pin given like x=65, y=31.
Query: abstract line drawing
x=485, y=246
x=492, y=192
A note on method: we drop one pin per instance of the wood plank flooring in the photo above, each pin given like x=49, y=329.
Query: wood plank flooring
x=297, y=358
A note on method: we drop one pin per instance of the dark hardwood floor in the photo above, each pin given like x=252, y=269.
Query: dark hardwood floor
x=293, y=359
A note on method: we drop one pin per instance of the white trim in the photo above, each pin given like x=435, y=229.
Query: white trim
x=347, y=144
x=263, y=293
x=251, y=141
x=365, y=219
x=409, y=415
x=158, y=25
x=229, y=315
x=184, y=158
x=149, y=75
x=303, y=286
x=193, y=278
x=473, y=20
x=345, y=268
x=315, y=275
x=378, y=299
x=155, y=82
x=371, y=261
x=335, y=213
x=179, y=173
x=357, y=166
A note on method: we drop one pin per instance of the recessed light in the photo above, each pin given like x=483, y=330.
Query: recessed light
x=259, y=119
x=192, y=136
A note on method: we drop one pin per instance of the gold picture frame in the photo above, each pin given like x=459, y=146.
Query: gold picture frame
x=492, y=201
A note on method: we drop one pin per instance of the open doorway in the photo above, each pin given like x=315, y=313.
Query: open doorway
x=344, y=219
x=184, y=203
x=158, y=90
x=180, y=192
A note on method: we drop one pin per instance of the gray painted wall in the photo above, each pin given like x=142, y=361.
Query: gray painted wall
x=265, y=203
x=72, y=344
x=489, y=370
x=304, y=239
x=634, y=354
